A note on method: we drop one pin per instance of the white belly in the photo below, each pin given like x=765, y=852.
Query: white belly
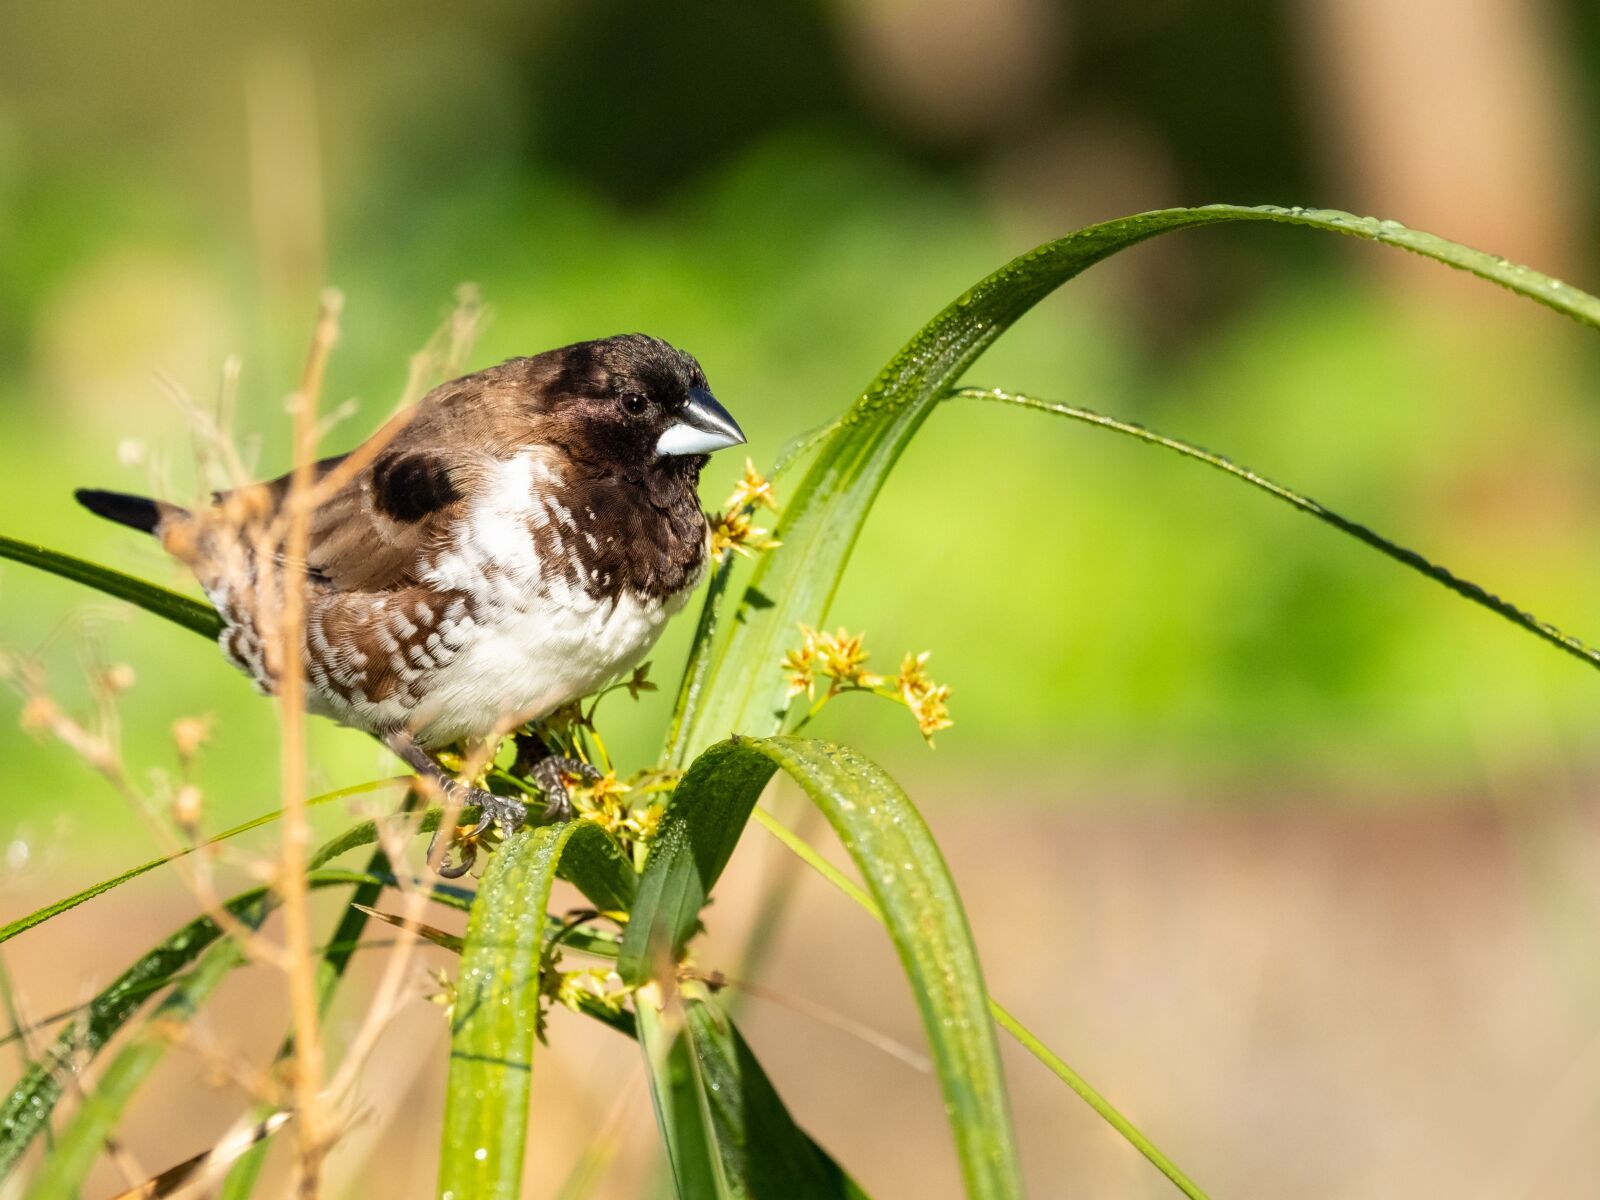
x=521, y=663
x=539, y=640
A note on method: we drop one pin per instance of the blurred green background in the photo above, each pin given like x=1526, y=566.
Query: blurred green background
x=789, y=190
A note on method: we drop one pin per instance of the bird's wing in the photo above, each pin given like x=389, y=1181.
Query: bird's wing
x=374, y=531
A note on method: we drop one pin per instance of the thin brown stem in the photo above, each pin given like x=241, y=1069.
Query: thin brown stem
x=310, y=1143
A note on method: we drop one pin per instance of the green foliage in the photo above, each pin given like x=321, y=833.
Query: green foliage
x=725, y=1131
x=27, y=1109
x=495, y=1020
x=744, y=689
x=908, y=879
x=180, y=610
x=762, y=1151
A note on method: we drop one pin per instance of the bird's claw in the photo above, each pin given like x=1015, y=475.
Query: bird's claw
x=493, y=810
x=550, y=774
x=507, y=813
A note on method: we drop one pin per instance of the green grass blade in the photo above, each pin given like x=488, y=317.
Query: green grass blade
x=763, y=1152
x=743, y=689
x=30, y=1103
x=597, y=866
x=81, y=1143
x=1003, y=1017
x=40, y=916
x=682, y=1111
x=905, y=873
x=27, y=1108
x=909, y=884
x=180, y=610
x=496, y=1016
x=697, y=668
x=702, y=824
x=1409, y=558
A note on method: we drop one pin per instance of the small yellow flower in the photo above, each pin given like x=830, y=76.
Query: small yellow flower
x=844, y=657
x=613, y=805
x=445, y=997
x=932, y=712
x=928, y=701
x=913, y=678
x=802, y=670
x=644, y=823
x=733, y=531
x=591, y=987
x=602, y=801
x=752, y=491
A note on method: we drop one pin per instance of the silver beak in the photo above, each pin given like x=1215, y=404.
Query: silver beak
x=702, y=426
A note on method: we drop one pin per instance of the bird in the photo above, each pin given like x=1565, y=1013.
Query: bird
x=519, y=542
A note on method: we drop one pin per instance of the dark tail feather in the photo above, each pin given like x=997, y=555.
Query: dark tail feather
x=136, y=511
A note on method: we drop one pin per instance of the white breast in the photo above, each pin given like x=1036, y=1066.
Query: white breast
x=538, y=640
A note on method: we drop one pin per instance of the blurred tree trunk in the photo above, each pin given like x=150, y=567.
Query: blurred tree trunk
x=1456, y=116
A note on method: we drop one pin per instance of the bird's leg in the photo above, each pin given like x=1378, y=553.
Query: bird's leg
x=505, y=811
x=537, y=762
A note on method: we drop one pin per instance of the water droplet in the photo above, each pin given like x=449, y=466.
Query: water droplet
x=480, y=1153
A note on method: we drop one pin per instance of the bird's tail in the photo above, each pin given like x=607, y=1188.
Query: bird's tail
x=138, y=512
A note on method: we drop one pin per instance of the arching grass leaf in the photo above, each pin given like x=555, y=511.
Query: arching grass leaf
x=1409, y=558
x=763, y=1152
x=909, y=882
x=180, y=610
x=738, y=686
x=679, y=1100
x=1003, y=1017
x=596, y=865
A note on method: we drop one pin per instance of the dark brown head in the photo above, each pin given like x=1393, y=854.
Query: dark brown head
x=631, y=403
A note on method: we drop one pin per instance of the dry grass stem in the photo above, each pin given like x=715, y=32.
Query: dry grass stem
x=310, y=1143
x=387, y=998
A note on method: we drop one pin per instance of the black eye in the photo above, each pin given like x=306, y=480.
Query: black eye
x=634, y=403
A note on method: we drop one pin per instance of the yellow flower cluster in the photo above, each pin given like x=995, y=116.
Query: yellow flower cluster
x=928, y=701
x=591, y=987
x=613, y=805
x=841, y=658
x=734, y=530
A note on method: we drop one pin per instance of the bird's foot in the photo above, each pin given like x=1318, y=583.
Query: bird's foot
x=505, y=813
x=494, y=811
x=551, y=775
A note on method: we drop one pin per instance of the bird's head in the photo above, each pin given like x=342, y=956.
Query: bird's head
x=634, y=403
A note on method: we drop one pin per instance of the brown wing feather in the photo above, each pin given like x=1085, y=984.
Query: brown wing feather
x=376, y=531
x=371, y=534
